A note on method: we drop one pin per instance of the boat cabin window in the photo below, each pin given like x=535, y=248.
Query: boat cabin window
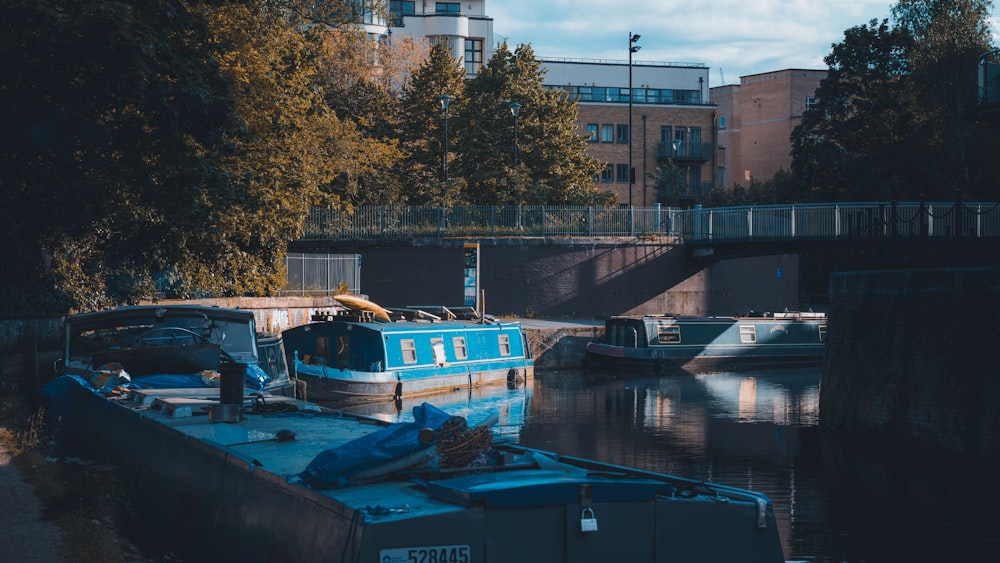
x=461, y=352
x=748, y=334
x=323, y=348
x=409, y=350
x=668, y=334
x=504, y=345
x=437, y=346
x=822, y=333
x=343, y=352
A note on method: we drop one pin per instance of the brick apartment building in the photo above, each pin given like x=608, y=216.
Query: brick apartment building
x=756, y=119
x=673, y=123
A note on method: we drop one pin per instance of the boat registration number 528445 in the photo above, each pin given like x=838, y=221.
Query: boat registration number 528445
x=427, y=554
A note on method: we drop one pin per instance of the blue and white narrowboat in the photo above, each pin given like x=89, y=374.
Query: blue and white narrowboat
x=358, y=360
x=666, y=342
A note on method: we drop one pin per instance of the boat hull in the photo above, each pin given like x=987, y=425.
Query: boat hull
x=324, y=383
x=228, y=491
x=666, y=343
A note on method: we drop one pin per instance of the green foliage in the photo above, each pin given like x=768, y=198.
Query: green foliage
x=783, y=188
x=553, y=166
x=890, y=119
x=155, y=135
x=422, y=129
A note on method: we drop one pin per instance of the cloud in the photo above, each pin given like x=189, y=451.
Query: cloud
x=738, y=37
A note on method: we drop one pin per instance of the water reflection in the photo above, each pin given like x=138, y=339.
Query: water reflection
x=510, y=405
x=836, y=500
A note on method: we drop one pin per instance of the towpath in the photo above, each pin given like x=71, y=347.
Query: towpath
x=27, y=537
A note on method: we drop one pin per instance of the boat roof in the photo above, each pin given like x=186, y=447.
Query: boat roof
x=141, y=313
x=411, y=326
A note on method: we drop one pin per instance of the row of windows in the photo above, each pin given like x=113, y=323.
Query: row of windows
x=638, y=95
x=400, y=8
x=609, y=133
x=613, y=173
x=408, y=347
x=748, y=334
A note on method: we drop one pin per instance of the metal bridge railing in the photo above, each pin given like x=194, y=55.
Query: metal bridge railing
x=824, y=221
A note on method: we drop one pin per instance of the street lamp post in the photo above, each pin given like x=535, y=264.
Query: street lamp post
x=515, y=108
x=631, y=49
x=445, y=102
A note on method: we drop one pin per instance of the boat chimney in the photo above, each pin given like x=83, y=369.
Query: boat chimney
x=230, y=407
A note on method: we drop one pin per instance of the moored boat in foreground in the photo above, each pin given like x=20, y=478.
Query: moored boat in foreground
x=150, y=346
x=665, y=342
x=288, y=480
x=350, y=357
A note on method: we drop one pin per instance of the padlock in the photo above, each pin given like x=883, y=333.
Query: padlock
x=588, y=522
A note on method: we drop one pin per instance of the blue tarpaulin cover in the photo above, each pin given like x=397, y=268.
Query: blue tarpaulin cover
x=334, y=467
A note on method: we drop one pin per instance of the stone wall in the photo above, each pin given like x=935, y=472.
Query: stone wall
x=914, y=356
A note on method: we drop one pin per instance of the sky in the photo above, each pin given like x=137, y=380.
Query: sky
x=733, y=38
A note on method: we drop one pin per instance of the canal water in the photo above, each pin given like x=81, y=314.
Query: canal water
x=837, y=500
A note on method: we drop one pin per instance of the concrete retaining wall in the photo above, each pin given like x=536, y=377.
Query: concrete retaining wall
x=914, y=356
x=576, y=278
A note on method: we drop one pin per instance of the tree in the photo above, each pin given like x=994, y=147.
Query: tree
x=553, y=166
x=948, y=38
x=156, y=138
x=852, y=143
x=110, y=110
x=422, y=129
x=367, y=156
x=890, y=119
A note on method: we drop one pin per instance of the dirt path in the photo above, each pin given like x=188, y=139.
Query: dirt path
x=27, y=537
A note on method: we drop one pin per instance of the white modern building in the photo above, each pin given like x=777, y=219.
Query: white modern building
x=464, y=25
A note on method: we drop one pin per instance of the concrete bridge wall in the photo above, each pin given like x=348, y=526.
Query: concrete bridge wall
x=577, y=277
x=913, y=356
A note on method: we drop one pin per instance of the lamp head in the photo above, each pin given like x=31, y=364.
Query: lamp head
x=514, y=108
x=677, y=144
x=635, y=49
x=634, y=38
x=445, y=101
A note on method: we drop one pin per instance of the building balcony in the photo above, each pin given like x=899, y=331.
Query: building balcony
x=686, y=152
x=432, y=25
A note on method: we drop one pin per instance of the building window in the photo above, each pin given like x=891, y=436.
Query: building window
x=722, y=122
x=409, y=351
x=400, y=8
x=473, y=55
x=622, y=134
x=607, y=133
x=592, y=132
x=448, y=8
x=622, y=172
x=437, y=350
x=722, y=176
x=364, y=11
x=810, y=102
x=461, y=352
x=694, y=142
x=608, y=174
